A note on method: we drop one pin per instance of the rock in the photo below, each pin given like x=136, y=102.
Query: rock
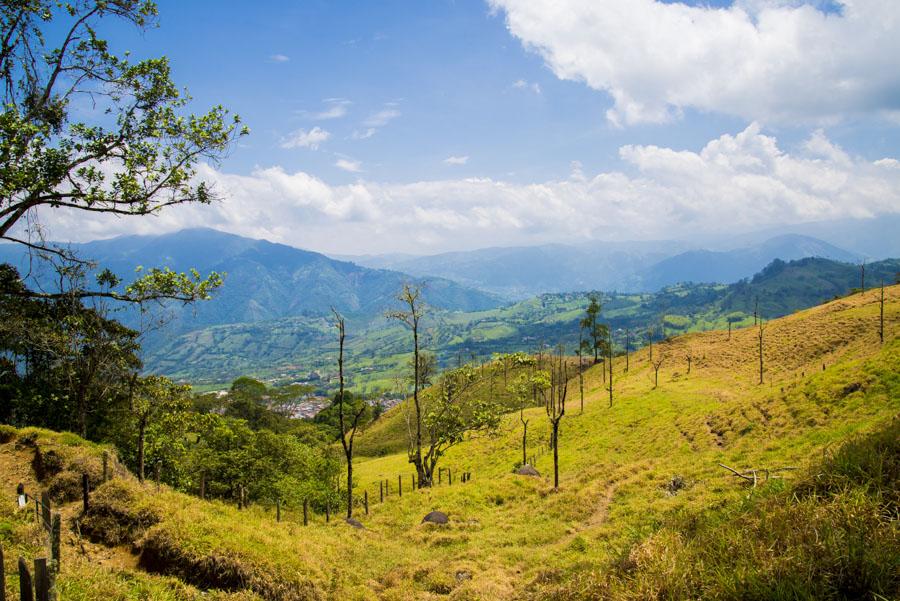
x=436, y=517
x=355, y=523
x=527, y=470
x=463, y=575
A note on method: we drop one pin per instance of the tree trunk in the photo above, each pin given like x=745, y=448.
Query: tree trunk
x=556, y=454
x=350, y=488
x=524, y=442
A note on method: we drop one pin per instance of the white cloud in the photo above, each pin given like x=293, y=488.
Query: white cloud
x=335, y=108
x=364, y=134
x=766, y=60
x=738, y=182
x=302, y=138
x=382, y=117
x=456, y=160
x=348, y=165
x=521, y=84
x=279, y=58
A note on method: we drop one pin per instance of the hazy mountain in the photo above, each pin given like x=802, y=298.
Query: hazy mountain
x=731, y=266
x=524, y=271
x=265, y=281
x=521, y=272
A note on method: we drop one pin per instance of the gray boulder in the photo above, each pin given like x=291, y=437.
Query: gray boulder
x=436, y=517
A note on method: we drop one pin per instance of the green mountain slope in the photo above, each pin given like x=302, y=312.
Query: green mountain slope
x=378, y=350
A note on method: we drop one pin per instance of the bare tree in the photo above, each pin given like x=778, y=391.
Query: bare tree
x=761, y=332
x=689, y=357
x=881, y=318
x=348, y=430
x=627, y=345
x=580, y=353
x=411, y=316
x=555, y=405
x=862, y=277
x=656, y=365
x=609, y=346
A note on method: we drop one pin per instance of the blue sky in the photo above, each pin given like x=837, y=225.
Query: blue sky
x=372, y=104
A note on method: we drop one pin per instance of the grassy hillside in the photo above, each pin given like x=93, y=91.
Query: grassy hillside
x=643, y=509
x=379, y=351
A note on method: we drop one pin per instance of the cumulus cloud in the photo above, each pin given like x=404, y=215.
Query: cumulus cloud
x=740, y=182
x=456, y=160
x=302, y=138
x=382, y=117
x=763, y=60
x=279, y=58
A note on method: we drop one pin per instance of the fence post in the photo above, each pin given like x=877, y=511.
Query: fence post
x=440, y=471
x=105, y=466
x=399, y=485
x=21, y=497
x=55, y=541
x=26, y=591
x=85, y=491
x=45, y=510
x=277, y=510
x=240, y=496
x=305, y=512
x=37, y=510
x=327, y=511
x=41, y=580
x=202, y=486
x=380, y=491
x=365, y=502
x=2, y=577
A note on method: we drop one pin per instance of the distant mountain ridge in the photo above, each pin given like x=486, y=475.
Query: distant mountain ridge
x=521, y=272
x=264, y=280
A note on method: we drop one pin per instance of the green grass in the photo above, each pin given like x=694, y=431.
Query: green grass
x=615, y=528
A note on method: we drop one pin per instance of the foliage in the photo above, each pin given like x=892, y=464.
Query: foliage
x=140, y=156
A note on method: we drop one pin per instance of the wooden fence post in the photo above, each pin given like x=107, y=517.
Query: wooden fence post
x=399, y=485
x=26, y=591
x=240, y=496
x=105, y=466
x=2, y=577
x=327, y=511
x=55, y=538
x=202, y=486
x=449, y=477
x=305, y=512
x=380, y=491
x=45, y=510
x=277, y=510
x=365, y=502
x=41, y=580
x=440, y=471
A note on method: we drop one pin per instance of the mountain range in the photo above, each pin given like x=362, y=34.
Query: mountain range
x=521, y=272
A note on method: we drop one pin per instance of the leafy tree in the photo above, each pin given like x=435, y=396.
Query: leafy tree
x=140, y=155
x=452, y=413
x=596, y=331
x=149, y=398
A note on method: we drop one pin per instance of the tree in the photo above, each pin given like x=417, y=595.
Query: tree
x=760, y=333
x=351, y=421
x=689, y=357
x=656, y=365
x=452, y=413
x=580, y=353
x=525, y=386
x=411, y=316
x=609, y=346
x=139, y=156
x=149, y=398
x=627, y=346
x=594, y=329
x=881, y=315
x=555, y=405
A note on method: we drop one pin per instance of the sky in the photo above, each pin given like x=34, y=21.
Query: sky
x=424, y=127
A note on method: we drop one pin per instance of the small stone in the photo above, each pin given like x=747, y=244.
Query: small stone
x=462, y=575
x=527, y=470
x=355, y=523
x=436, y=517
